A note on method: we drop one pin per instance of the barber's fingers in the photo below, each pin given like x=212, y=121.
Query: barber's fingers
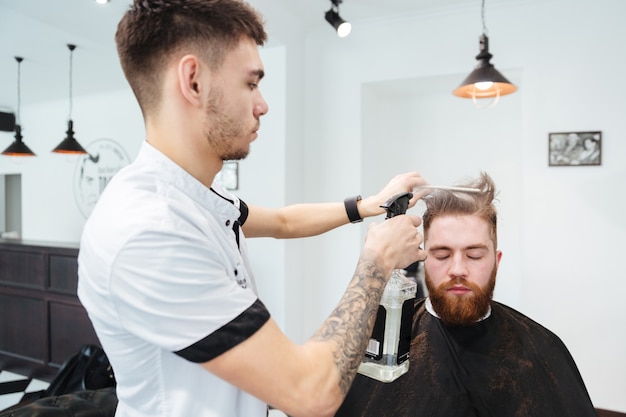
x=401, y=183
x=416, y=220
x=397, y=240
x=419, y=193
x=421, y=255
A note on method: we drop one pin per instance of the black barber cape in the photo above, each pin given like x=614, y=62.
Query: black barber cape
x=504, y=366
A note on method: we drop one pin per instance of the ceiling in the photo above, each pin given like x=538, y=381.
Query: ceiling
x=39, y=31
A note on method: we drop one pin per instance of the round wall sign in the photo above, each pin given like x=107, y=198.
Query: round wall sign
x=94, y=171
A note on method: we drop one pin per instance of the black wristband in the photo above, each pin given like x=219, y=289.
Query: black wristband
x=352, y=210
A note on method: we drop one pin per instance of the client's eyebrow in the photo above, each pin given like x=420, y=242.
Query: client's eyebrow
x=477, y=246
x=470, y=247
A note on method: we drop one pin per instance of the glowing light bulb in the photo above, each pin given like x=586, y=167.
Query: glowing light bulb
x=484, y=85
x=344, y=29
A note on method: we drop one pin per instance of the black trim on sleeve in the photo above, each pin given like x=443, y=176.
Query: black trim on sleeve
x=227, y=336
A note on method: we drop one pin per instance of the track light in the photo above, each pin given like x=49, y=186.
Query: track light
x=485, y=81
x=342, y=27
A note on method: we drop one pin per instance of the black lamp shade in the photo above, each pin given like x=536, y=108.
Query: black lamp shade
x=70, y=145
x=468, y=88
x=484, y=72
x=18, y=148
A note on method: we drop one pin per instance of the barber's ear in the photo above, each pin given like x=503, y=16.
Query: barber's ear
x=189, y=71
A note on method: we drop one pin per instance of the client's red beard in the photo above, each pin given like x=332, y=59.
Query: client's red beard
x=463, y=310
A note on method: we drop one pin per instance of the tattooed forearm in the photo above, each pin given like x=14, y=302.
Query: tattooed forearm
x=350, y=324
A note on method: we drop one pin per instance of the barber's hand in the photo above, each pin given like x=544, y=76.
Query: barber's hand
x=394, y=243
x=370, y=206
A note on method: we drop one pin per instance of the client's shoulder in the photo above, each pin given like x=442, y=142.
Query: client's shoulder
x=521, y=320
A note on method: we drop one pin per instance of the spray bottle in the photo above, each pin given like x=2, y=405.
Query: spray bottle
x=387, y=354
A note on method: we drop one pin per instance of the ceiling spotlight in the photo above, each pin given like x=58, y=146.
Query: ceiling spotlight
x=342, y=27
x=102, y=1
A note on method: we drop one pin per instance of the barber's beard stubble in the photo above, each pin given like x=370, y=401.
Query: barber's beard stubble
x=463, y=310
x=221, y=130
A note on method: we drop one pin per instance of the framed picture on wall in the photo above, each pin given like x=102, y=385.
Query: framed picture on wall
x=575, y=148
x=229, y=175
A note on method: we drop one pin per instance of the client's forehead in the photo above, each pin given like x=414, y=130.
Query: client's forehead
x=458, y=230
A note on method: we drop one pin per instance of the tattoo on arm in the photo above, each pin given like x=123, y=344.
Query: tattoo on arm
x=350, y=324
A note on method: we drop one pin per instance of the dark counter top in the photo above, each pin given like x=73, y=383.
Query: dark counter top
x=7, y=243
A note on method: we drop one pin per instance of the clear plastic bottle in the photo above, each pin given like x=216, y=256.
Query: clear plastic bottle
x=387, y=354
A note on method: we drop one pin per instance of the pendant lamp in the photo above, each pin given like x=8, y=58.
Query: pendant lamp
x=485, y=81
x=70, y=145
x=18, y=148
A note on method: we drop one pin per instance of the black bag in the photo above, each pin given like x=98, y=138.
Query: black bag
x=98, y=403
x=88, y=369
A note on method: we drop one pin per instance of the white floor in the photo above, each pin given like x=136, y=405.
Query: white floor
x=7, y=400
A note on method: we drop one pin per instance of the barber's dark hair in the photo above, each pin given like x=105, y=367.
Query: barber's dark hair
x=152, y=32
x=445, y=203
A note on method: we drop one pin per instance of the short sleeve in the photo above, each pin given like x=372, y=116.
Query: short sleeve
x=177, y=289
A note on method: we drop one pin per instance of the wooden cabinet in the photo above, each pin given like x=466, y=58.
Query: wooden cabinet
x=42, y=322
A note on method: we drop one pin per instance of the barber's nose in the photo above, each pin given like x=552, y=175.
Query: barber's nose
x=261, y=108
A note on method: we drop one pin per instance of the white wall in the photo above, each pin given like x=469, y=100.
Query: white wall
x=262, y=182
x=561, y=228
